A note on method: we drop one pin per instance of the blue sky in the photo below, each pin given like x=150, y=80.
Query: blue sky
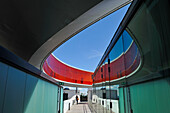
x=85, y=49
x=120, y=46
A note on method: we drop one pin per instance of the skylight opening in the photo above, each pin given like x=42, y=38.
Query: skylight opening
x=84, y=50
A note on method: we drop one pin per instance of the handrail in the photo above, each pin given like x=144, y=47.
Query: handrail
x=68, y=103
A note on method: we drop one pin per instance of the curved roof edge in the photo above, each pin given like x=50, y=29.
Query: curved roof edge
x=98, y=12
x=60, y=71
x=70, y=65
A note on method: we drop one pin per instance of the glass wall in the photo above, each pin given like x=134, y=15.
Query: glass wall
x=122, y=61
x=135, y=72
x=117, y=66
x=61, y=71
x=151, y=28
x=24, y=93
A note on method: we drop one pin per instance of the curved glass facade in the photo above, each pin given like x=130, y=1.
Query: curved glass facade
x=65, y=73
x=122, y=60
x=133, y=76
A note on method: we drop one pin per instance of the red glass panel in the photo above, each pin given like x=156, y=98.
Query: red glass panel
x=56, y=69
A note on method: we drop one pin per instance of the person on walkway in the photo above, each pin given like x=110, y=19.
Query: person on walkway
x=77, y=98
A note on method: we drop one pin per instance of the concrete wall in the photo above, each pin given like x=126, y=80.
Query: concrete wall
x=68, y=103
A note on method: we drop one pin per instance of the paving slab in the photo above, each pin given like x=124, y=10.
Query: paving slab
x=82, y=107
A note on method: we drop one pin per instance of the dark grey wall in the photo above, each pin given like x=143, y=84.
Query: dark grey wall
x=26, y=25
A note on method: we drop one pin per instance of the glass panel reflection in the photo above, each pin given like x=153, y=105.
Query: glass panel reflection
x=122, y=61
x=117, y=67
x=131, y=54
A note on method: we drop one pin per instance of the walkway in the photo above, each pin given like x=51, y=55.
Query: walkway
x=82, y=107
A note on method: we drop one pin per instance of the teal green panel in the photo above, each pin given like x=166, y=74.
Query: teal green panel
x=61, y=101
x=144, y=98
x=50, y=98
x=151, y=97
x=14, y=95
x=36, y=101
x=162, y=91
x=135, y=102
x=3, y=77
x=121, y=101
x=125, y=100
x=31, y=83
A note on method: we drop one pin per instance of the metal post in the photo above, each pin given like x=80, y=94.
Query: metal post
x=69, y=106
x=76, y=90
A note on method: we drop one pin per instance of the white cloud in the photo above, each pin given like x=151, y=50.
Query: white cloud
x=95, y=54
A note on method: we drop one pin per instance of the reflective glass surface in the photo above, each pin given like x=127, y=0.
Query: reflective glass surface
x=58, y=70
x=138, y=78
x=24, y=93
